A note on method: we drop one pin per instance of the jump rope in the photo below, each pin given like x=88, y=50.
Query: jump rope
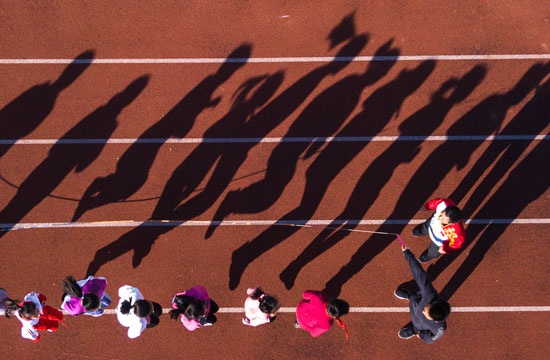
x=355, y=230
x=68, y=224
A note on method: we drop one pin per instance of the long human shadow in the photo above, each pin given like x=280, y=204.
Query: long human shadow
x=142, y=238
x=532, y=119
x=335, y=156
x=229, y=157
x=64, y=158
x=27, y=111
x=420, y=124
x=482, y=121
x=321, y=118
x=224, y=158
x=527, y=182
x=132, y=170
x=375, y=71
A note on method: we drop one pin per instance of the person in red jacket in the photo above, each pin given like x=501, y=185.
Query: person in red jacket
x=34, y=315
x=316, y=313
x=445, y=228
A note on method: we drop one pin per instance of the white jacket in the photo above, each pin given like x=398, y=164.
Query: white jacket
x=134, y=323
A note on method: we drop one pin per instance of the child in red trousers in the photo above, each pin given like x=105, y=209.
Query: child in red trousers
x=34, y=315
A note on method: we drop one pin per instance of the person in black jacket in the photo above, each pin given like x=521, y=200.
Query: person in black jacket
x=428, y=311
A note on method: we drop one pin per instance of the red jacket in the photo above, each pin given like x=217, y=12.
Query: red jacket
x=454, y=232
x=48, y=318
x=311, y=313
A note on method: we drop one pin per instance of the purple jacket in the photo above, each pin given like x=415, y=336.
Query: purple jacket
x=93, y=285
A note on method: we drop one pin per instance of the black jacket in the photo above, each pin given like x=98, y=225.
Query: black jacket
x=428, y=330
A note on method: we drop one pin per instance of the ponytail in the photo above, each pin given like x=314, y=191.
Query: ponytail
x=27, y=309
x=71, y=287
x=337, y=308
x=257, y=293
x=11, y=306
x=187, y=306
x=89, y=301
x=179, y=304
x=268, y=304
x=126, y=306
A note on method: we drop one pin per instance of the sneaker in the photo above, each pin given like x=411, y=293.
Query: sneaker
x=296, y=325
x=96, y=313
x=406, y=332
x=418, y=230
x=424, y=258
x=402, y=294
x=246, y=321
x=207, y=324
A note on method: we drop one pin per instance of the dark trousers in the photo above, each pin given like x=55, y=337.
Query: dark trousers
x=430, y=253
x=154, y=322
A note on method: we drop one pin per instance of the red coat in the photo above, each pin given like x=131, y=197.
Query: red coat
x=311, y=313
x=48, y=318
x=455, y=232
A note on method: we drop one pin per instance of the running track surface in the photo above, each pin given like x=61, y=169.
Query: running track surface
x=291, y=95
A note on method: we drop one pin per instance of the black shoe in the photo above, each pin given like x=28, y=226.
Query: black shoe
x=419, y=230
x=402, y=294
x=424, y=258
x=406, y=332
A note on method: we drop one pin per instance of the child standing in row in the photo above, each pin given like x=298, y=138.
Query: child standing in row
x=86, y=296
x=3, y=295
x=136, y=313
x=34, y=315
x=259, y=307
x=316, y=313
x=194, y=306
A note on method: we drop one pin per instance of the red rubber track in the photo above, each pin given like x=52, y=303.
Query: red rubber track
x=503, y=265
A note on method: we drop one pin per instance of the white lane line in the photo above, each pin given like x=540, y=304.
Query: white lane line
x=177, y=223
x=276, y=139
x=467, y=309
x=310, y=59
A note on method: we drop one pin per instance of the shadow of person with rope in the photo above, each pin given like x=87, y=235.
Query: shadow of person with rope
x=325, y=167
x=132, y=170
x=420, y=124
x=64, y=158
x=320, y=118
x=141, y=239
x=531, y=120
x=223, y=159
x=482, y=120
x=26, y=112
x=525, y=184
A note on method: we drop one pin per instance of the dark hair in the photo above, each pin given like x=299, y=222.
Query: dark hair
x=453, y=213
x=187, y=306
x=337, y=307
x=28, y=309
x=89, y=301
x=142, y=308
x=71, y=287
x=439, y=310
x=268, y=304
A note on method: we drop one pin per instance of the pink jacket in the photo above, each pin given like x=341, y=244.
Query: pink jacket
x=252, y=310
x=199, y=293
